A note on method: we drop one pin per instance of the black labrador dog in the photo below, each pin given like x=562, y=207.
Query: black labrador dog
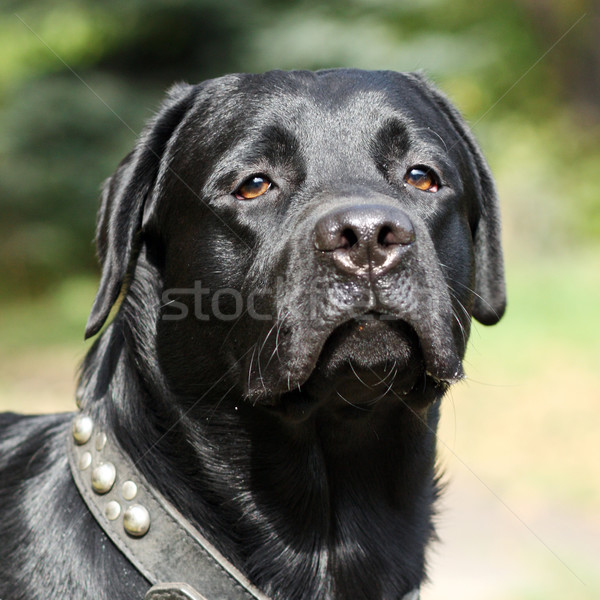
x=296, y=258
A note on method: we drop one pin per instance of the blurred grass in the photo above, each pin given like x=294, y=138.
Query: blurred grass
x=529, y=407
x=56, y=318
x=553, y=309
x=41, y=347
x=519, y=442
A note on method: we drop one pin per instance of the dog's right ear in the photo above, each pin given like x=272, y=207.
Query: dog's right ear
x=490, y=291
x=124, y=197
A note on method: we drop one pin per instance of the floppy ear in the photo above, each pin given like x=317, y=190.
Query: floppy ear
x=124, y=197
x=490, y=290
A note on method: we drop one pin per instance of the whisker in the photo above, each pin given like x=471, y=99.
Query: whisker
x=350, y=403
x=280, y=322
x=232, y=328
x=471, y=290
x=251, y=361
x=216, y=406
x=357, y=376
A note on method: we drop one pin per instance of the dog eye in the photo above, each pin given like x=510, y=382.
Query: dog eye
x=423, y=178
x=253, y=187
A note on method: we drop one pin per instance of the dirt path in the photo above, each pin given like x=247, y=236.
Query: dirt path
x=502, y=548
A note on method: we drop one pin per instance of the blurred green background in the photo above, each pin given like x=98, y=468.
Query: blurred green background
x=520, y=439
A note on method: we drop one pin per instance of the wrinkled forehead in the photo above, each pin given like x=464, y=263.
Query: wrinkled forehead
x=327, y=111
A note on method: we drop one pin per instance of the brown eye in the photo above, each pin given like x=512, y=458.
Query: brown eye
x=253, y=187
x=423, y=178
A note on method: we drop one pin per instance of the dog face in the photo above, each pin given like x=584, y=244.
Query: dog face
x=308, y=232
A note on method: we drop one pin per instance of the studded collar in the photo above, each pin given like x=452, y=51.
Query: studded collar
x=176, y=559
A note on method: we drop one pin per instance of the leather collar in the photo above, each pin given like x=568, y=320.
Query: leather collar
x=176, y=559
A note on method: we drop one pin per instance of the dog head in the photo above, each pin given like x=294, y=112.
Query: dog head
x=305, y=231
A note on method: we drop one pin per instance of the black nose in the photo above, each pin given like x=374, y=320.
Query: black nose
x=365, y=238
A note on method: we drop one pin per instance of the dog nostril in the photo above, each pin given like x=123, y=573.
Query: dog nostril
x=386, y=237
x=394, y=235
x=348, y=239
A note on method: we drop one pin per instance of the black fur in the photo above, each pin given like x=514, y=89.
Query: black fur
x=298, y=436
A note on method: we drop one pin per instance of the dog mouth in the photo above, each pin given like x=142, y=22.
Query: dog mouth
x=364, y=357
x=369, y=357
x=368, y=361
x=368, y=342
x=375, y=339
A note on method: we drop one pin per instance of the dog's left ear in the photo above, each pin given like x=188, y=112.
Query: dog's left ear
x=124, y=198
x=490, y=289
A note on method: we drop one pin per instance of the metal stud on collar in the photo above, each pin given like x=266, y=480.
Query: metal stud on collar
x=112, y=510
x=103, y=478
x=90, y=445
x=136, y=520
x=83, y=426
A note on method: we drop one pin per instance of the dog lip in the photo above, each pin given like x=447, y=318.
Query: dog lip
x=458, y=375
x=441, y=359
x=441, y=365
